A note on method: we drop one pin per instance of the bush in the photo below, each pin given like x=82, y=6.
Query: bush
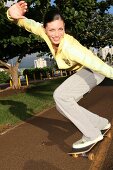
x=29, y=73
x=4, y=77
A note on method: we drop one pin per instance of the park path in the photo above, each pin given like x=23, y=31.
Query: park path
x=43, y=142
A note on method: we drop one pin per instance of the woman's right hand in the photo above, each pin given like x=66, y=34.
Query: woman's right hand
x=18, y=10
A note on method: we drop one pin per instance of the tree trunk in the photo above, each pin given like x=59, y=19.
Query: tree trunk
x=13, y=71
x=14, y=74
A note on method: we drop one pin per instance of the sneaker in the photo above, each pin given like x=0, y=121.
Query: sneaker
x=84, y=143
x=108, y=126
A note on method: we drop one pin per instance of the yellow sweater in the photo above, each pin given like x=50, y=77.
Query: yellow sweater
x=71, y=54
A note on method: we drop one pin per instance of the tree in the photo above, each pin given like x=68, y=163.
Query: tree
x=88, y=21
x=15, y=41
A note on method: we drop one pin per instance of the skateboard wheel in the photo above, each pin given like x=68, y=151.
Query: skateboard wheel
x=75, y=156
x=109, y=135
x=91, y=156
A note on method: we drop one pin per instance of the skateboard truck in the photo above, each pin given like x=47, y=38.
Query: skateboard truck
x=90, y=156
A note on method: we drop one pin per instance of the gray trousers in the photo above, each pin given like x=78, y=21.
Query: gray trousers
x=70, y=92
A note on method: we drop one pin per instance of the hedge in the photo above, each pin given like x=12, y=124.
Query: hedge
x=38, y=73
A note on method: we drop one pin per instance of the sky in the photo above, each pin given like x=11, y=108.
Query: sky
x=111, y=10
x=52, y=1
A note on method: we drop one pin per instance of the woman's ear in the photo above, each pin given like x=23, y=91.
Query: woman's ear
x=44, y=30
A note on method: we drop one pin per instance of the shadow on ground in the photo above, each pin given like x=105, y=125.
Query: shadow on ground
x=35, y=165
x=107, y=82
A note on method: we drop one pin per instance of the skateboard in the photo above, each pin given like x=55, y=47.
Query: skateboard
x=85, y=152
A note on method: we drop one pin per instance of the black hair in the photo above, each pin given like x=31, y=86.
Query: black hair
x=51, y=15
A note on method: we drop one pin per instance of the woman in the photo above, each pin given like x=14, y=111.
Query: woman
x=69, y=54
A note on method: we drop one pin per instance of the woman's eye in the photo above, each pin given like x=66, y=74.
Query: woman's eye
x=61, y=29
x=52, y=30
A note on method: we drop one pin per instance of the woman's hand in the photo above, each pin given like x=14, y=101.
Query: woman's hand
x=18, y=10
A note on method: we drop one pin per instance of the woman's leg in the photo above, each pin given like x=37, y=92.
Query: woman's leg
x=67, y=95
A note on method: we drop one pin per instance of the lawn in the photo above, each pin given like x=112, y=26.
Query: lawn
x=23, y=105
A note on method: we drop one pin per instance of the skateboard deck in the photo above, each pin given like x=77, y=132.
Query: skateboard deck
x=85, y=152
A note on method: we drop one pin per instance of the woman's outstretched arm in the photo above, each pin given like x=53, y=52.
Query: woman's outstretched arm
x=17, y=10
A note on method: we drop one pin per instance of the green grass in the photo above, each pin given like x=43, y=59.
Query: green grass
x=19, y=107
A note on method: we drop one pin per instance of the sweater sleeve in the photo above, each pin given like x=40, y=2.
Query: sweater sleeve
x=30, y=25
x=85, y=57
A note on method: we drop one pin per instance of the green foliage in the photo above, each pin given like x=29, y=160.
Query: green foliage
x=88, y=21
x=4, y=77
x=37, y=9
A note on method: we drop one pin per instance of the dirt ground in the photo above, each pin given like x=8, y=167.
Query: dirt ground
x=9, y=91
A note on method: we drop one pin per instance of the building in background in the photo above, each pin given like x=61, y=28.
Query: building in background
x=43, y=62
x=104, y=51
x=106, y=54
x=26, y=62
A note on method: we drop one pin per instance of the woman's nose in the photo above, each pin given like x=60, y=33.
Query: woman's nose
x=56, y=33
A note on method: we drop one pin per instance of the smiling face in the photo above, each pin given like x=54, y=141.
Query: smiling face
x=55, y=31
